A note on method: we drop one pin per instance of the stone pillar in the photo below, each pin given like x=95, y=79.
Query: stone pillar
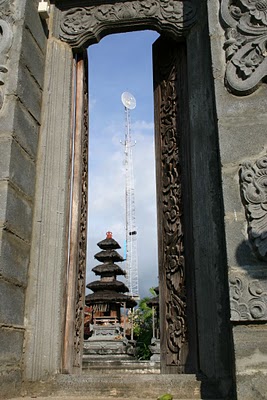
x=47, y=275
x=208, y=237
x=22, y=54
x=242, y=121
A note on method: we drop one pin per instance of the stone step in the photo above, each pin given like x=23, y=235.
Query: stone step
x=123, y=386
x=107, y=366
x=126, y=386
x=87, y=397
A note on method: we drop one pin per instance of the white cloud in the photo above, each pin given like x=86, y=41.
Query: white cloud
x=107, y=201
x=91, y=102
x=142, y=125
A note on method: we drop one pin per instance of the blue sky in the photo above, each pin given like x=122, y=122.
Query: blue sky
x=119, y=63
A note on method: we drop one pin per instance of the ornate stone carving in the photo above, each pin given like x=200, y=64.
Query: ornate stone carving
x=253, y=179
x=80, y=299
x=248, y=299
x=5, y=43
x=173, y=236
x=81, y=26
x=245, y=45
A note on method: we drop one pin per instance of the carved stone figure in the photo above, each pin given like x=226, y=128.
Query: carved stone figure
x=253, y=179
x=245, y=45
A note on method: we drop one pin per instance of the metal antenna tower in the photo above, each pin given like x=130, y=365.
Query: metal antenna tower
x=129, y=103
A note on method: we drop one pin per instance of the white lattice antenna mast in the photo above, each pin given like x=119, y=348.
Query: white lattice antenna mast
x=129, y=103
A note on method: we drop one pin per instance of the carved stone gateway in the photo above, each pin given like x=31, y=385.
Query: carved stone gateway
x=201, y=142
x=81, y=26
x=193, y=276
x=84, y=25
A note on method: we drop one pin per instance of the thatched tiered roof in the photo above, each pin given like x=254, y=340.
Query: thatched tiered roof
x=108, y=289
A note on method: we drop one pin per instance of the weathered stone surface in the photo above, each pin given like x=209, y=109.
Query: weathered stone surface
x=16, y=166
x=25, y=129
x=16, y=215
x=44, y=303
x=11, y=304
x=3, y=201
x=18, y=137
x=5, y=152
x=29, y=93
x=34, y=24
x=253, y=182
x=242, y=138
x=141, y=386
x=16, y=121
x=34, y=64
x=250, y=348
x=252, y=386
x=22, y=170
x=233, y=207
x=10, y=381
x=242, y=135
x=239, y=251
x=248, y=295
x=11, y=342
x=246, y=30
x=14, y=258
x=100, y=20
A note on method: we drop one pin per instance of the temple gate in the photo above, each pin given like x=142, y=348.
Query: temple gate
x=209, y=64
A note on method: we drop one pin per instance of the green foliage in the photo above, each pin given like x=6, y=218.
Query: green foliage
x=166, y=396
x=142, y=328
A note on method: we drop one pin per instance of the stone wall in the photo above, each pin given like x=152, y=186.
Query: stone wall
x=22, y=54
x=242, y=119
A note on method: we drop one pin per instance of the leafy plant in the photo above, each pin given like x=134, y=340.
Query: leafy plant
x=142, y=327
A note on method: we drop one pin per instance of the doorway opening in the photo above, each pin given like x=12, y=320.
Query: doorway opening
x=119, y=63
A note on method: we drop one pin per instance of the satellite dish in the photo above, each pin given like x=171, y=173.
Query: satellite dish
x=128, y=100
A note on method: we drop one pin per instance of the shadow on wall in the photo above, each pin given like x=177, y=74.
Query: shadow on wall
x=249, y=259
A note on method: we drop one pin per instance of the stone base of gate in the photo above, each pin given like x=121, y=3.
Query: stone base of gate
x=125, y=386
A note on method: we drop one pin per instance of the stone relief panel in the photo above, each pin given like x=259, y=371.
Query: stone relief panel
x=253, y=180
x=248, y=298
x=245, y=23
x=81, y=26
x=5, y=44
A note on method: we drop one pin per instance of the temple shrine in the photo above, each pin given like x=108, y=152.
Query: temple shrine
x=106, y=331
x=155, y=341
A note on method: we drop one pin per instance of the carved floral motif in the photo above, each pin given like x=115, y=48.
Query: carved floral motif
x=248, y=299
x=5, y=43
x=173, y=237
x=245, y=45
x=81, y=26
x=253, y=179
x=79, y=320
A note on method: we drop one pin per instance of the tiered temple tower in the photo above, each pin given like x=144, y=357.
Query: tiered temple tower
x=107, y=335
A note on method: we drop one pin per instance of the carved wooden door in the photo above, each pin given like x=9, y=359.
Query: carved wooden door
x=75, y=291
x=177, y=330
